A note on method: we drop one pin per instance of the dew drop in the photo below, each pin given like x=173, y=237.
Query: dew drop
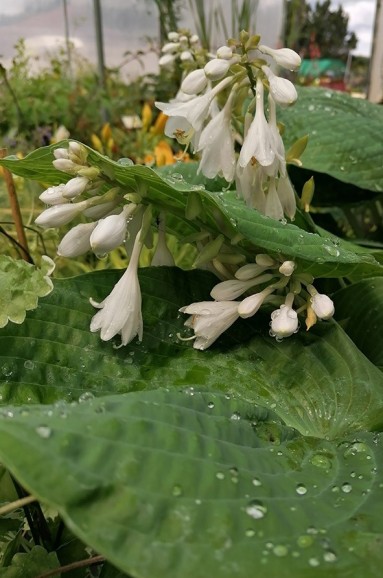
x=346, y=488
x=86, y=396
x=235, y=416
x=28, y=364
x=280, y=551
x=250, y=533
x=44, y=431
x=210, y=405
x=256, y=510
x=177, y=491
x=305, y=541
x=313, y=562
x=330, y=556
x=256, y=482
x=220, y=475
x=301, y=489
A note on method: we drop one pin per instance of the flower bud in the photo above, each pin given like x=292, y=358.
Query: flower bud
x=287, y=268
x=102, y=210
x=173, y=36
x=65, y=165
x=285, y=57
x=322, y=306
x=109, y=233
x=77, y=241
x=186, y=56
x=224, y=52
x=53, y=195
x=77, y=152
x=216, y=68
x=282, y=90
x=60, y=214
x=250, y=305
x=194, y=39
x=170, y=47
x=194, y=82
x=264, y=260
x=75, y=187
x=166, y=60
x=61, y=153
x=284, y=322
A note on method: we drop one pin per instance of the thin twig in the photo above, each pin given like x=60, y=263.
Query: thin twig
x=16, y=504
x=15, y=208
x=73, y=566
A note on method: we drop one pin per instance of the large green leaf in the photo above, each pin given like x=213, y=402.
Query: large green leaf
x=345, y=135
x=318, y=382
x=169, y=484
x=222, y=212
x=359, y=309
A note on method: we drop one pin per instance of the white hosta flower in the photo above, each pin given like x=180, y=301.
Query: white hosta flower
x=233, y=288
x=286, y=195
x=321, y=304
x=282, y=90
x=162, y=256
x=249, y=183
x=180, y=129
x=120, y=313
x=75, y=187
x=279, y=164
x=110, y=232
x=209, y=319
x=217, y=68
x=196, y=110
x=285, y=57
x=250, y=305
x=284, y=321
x=195, y=82
x=53, y=195
x=60, y=214
x=273, y=206
x=257, y=143
x=77, y=241
x=217, y=145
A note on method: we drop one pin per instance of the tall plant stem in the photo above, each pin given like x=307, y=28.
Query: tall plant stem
x=16, y=213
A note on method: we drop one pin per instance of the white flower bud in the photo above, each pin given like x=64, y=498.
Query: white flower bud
x=77, y=241
x=60, y=214
x=186, y=56
x=170, y=47
x=216, y=68
x=322, y=306
x=282, y=90
x=250, y=305
x=248, y=271
x=65, y=165
x=75, y=187
x=166, y=60
x=284, y=322
x=224, y=52
x=285, y=57
x=287, y=268
x=53, y=195
x=264, y=260
x=109, y=233
x=61, y=153
x=102, y=210
x=194, y=82
x=194, y=39
x=173, y=36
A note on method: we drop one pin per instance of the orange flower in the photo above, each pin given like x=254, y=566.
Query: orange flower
x=159, y=125
x=163, y=154
x=147, y=116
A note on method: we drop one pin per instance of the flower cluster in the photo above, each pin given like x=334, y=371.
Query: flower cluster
x=228, y=92
x=108, y=221
x=180, y=46
x=278, y=283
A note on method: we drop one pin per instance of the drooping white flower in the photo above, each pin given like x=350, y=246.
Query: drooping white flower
x=279, y=164
x=257, y=143
x=217, y=145
x=321, y=304
x=77, y=241
x=196, y=110
x=120, y=312
x=53, y=195
x=287, y=196
x=162, y=256
x=209, y=319
x=273, y=206
x=284, y=321
x=249, y=183
x=285, y=57
x=195, y=82
x=281, y=89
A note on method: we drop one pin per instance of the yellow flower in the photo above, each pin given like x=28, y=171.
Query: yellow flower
x=163, y=154
x=146, y=116
x=159, y=125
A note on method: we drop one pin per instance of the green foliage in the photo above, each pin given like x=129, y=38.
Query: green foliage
x=31, y=564
x=21, y=284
